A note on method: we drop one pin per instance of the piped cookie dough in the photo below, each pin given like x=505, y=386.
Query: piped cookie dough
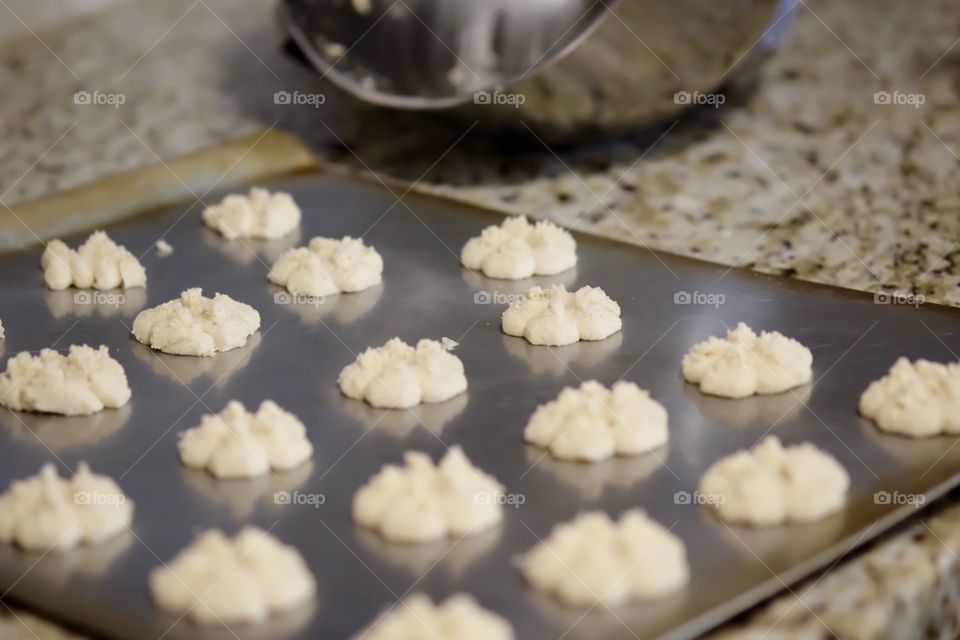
x=517, y=249
x=223, y=581
x=46, y=512
x=594, y=559
x=260, y=214
x=420, y=501
x=399, y=376
x=82, y=382
x=557, y=317
x=193, y=325
x=239, y=444
x=919, y=399
x=744, y=364
x=457, y=618
x=328, y=266
x=98, y=263
x=592, y=423
x=772, y=485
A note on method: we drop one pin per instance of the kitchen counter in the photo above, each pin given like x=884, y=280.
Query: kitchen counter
x=812, y=174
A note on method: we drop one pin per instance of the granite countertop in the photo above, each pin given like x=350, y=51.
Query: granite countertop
x=807, y=176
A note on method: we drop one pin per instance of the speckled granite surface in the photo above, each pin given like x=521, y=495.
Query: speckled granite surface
x=807, y=176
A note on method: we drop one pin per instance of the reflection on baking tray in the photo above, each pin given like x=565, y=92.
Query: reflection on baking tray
x=241, y=496
x=85, y=303
x=56, y=569
x=558, y=360
x=500, y=292
x=341, y=308
x=247, y=251
x=185, y=369
x=62, y=432
x=769, y=409
x=591, y=479
x=285, y=625
x=400, y=422
x=454, y=556
x=783, y=546
x=915, y=452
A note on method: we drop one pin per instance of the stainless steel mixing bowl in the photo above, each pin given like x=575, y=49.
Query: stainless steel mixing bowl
x=564, y=67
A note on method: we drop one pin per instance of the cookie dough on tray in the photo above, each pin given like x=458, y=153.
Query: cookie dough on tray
x=223, y=581
x=517, y=249
x=398, y=376
x=772, y=485
x=238, y=444
x=46, y=512
x=193, y=325
x=82, y=382
x=593, y=423
x=594, y=559
x=260, y=214
x=420, y=501
x=458, y=618
x=918, y=399
x=744, y=364
x=98, y=263
x=328, y=266
x=557, y=317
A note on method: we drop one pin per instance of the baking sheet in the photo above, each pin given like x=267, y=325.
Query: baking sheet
x=295, y=359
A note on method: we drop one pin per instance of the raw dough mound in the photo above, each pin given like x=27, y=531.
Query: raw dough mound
x=99, y=263
x=556, y=317
x=260, y=214
x=245, y=580
x=420, y=501
x=327, y=266
x=458, y=618
x=773, y=485
x=594, y=423
x=47, y=512
x=196, y=326
x=398, y=376
x=918, y=399
x=744, y=364
x=517, y=249
x=238, y=444
x=84, y=381
x=594, y=559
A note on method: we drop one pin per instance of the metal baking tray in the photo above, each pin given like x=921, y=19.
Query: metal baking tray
x=295, y=359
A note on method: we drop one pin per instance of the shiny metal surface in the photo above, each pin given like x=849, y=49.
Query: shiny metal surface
x=565, y=67
x=299, y=351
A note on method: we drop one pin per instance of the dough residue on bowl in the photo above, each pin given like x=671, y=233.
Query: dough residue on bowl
x=245, y=580
x=594, y=559
x=517, y=249
x=82, y=382
x=420, y=501
x=328, y=266
x=556, y=317
x=260, y=214
x=744, y=364
x=98, y=263
x=46, y=512
x=592, y=423
x=236, y=443
x=772, y=485
x=397, y=375
x=193, y=325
